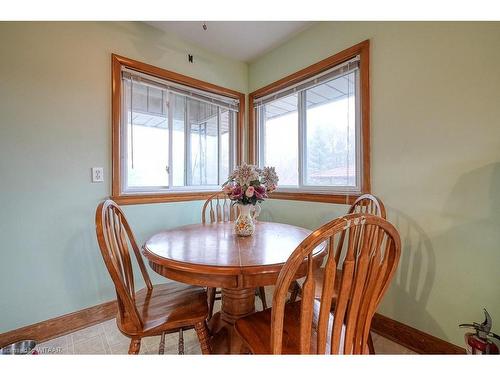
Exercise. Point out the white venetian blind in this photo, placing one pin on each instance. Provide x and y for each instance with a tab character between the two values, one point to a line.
328	75
183	90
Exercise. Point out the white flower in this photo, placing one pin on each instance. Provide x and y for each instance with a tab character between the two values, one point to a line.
269	177
245	174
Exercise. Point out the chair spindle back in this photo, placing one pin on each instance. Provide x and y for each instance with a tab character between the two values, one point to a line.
373	250
114	236
364	204
218	208
368	204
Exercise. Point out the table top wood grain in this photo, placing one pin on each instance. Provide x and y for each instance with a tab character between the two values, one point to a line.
217	248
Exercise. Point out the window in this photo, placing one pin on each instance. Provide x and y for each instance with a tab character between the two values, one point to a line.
173	138
313	126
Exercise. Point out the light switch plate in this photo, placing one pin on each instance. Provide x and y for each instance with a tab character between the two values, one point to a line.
97	174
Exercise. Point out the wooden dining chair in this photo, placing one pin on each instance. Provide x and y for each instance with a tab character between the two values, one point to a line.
309	326
366	203
217	209
156	309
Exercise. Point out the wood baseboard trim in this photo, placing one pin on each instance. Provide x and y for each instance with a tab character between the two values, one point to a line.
412	338
61	325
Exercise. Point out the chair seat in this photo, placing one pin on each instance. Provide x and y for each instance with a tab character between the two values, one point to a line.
318	282
255	330
168	307
319	274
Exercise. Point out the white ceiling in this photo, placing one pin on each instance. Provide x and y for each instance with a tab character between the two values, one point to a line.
239	40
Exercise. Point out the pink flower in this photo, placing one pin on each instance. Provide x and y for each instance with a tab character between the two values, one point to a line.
237	193
260	192
250	191
228	189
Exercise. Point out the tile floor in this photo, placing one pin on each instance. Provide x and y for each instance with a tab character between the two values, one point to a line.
105	338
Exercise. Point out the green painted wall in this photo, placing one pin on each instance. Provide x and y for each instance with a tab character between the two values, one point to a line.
435	159
55	124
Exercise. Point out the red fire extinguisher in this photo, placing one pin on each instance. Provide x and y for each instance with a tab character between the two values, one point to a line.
481	341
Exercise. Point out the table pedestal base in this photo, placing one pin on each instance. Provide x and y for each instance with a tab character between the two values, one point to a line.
236	303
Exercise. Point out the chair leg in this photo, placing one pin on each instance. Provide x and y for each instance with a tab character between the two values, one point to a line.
181	342
371	348
202	332
262	295
161	350
135	346
211	301
295	291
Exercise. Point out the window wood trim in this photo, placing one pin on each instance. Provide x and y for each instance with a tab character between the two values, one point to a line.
117	62
363	50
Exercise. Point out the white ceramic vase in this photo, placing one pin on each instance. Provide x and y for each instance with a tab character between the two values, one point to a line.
245	223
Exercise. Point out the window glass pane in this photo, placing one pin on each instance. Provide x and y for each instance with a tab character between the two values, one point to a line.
147	136
156	100
203	167
280	138
178	103
202	142
331	133
226	121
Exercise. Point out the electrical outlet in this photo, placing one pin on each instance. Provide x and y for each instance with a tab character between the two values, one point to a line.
97	174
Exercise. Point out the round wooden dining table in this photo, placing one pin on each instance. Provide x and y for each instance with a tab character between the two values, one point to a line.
212	255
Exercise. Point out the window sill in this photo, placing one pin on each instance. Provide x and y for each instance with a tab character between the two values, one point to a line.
339	198
126	199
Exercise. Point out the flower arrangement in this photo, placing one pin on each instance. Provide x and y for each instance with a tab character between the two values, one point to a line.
248	184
